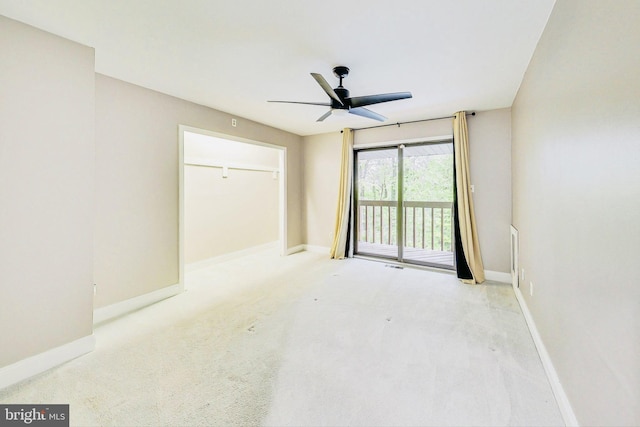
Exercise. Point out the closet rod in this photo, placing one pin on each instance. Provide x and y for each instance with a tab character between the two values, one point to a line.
193	161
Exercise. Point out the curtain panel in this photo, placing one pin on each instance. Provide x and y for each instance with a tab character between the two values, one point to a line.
339	248
469	264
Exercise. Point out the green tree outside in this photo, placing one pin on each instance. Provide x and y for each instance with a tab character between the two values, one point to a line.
427	178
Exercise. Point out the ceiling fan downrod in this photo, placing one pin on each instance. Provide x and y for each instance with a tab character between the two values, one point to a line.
341	72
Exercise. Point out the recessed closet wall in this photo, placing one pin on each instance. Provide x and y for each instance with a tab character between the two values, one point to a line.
231	194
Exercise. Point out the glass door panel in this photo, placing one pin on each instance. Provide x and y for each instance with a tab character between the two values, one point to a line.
376	194
427	204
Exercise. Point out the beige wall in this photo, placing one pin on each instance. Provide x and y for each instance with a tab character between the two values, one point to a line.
223	215
137	184
46	191
489	134
576	203
322	155
409	131
490	153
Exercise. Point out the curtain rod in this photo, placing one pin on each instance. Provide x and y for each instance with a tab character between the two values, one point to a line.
473	113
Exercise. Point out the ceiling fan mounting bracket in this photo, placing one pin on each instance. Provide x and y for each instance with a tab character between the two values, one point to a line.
341	71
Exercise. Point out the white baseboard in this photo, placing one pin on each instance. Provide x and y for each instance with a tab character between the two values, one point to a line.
123	307
39	363
229	256
309	248
497	276
317	249
295	249
558	391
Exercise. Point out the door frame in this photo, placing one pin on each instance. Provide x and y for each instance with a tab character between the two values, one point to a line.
282	190
514	258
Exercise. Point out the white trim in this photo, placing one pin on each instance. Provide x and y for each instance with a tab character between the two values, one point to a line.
317	249
193	266
282	200
296	249
127	306
309	248
39	363
228	137
558	391
497	276
181	131
514	240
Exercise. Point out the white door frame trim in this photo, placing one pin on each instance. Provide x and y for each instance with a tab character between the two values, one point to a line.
514	257
282	202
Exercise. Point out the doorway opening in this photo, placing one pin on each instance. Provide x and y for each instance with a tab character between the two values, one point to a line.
232	194
404	203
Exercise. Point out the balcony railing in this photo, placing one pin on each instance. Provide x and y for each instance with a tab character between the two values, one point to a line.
427	225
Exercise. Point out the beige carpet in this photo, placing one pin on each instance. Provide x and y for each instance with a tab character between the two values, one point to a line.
302	340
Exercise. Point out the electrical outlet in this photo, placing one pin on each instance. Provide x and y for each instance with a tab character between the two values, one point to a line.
473	188
234	122
95	288
522	275
531	288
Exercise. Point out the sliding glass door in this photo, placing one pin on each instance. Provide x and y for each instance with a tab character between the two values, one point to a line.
377	202
404	203
428	204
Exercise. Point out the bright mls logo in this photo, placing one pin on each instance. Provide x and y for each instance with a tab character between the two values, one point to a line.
34	415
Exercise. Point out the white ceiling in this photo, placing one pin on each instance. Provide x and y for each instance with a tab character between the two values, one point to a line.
235	55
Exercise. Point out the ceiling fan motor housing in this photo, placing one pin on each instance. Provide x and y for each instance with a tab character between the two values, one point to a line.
341	72
342	94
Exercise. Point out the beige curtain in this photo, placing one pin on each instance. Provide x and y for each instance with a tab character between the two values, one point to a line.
341	231
466	215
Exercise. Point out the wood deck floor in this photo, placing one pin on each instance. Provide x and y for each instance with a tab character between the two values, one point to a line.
423	256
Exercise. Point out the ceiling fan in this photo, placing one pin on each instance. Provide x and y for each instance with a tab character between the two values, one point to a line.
341	101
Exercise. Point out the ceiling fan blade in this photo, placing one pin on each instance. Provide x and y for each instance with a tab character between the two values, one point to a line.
361	101
361	111
326	104
324	116
327	88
